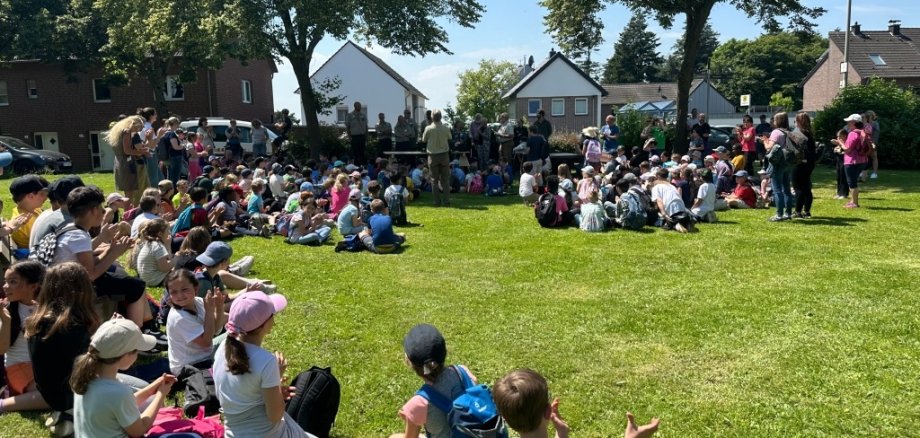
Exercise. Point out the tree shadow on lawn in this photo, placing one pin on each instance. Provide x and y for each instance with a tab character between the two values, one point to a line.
830	221
902	209
719	222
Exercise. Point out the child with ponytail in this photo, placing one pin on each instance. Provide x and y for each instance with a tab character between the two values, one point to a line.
103	406
247	377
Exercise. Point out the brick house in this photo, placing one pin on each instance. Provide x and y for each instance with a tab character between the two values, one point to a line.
570	98
703	96
889	54
39	105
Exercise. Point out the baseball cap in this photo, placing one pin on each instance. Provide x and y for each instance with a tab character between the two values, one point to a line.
629	176
114	197
207	169
721	149
213	158
59	189
742	173
351	168
588	169
354	194
27	184
306	186
853	118
424	344
338	163
117	337
246	173
251	309
215	253
356	174
567	184
685	158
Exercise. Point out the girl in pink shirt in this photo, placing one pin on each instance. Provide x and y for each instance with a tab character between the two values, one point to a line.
339	195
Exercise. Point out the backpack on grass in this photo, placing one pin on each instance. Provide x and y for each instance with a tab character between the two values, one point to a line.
545	210
630	213
397	206
200	392
472	414
316	401
43	251
169	423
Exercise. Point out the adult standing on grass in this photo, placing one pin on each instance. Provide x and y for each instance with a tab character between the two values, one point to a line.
154	172
356	125
176	151
779	170
544	127
384	135
259	139
748	139
437	140
872	129
403	133
505	137
413	129
120	136
855	156
611	133
801	174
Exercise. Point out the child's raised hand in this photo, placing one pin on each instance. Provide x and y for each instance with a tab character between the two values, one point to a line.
633	431
562	428
282	362
4	309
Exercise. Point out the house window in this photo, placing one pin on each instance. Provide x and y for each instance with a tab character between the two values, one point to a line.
247	91
534	106
33	89
877	59
4	96
340	114
101	91
174	89
558	107
581	106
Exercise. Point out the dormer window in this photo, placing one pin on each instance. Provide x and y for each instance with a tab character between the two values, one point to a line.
877	59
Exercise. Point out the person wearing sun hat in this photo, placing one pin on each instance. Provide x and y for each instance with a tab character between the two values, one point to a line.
103	406
591	147
426	353
247	377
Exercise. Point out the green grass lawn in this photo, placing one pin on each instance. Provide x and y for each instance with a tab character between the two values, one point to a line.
747	328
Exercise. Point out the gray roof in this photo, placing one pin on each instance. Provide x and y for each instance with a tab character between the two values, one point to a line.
622	94
537	70
383	66
900	53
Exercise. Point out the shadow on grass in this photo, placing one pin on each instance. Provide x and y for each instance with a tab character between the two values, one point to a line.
831	221
720	222
890	209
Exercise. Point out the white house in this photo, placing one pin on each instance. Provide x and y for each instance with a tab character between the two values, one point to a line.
367	79
703	96
569	97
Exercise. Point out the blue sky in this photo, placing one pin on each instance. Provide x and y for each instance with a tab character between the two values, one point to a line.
512	30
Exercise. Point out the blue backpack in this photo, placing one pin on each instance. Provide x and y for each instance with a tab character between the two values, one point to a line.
472	414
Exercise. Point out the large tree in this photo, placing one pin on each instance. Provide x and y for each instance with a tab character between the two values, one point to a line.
695	14
480	90
63	31
772	63
635	56
709	42
293	29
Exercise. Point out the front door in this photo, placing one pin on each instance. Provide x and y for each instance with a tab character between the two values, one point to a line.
46	140
101	152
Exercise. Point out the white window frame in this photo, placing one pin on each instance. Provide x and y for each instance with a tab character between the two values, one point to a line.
339	111
32	85
586	111
247	90
534	113
4	94
95	95
552	107
172	81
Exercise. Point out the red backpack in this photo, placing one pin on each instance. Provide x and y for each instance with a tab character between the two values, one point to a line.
169	422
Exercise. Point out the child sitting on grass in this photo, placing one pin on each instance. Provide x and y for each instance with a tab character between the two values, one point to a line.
151	256
426	352
379	237
474	184
349	221
308	226
495	184
522	399
193	323
214	273
528	188
21	284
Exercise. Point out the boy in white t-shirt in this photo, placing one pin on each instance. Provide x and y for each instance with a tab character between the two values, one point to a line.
705	203
673	211
528	189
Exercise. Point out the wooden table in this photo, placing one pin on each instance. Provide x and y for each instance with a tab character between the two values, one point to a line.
403	156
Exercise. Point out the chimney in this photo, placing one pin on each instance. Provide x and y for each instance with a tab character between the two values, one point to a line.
856	28
552	52
894	27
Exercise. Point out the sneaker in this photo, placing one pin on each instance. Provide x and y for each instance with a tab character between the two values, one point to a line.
155	352
797	215
806	215
267	231
851	205
777	218
269	288
787	217
242	266
873	176
162	343
840	197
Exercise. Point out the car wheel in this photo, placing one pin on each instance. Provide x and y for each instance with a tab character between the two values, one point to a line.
24	167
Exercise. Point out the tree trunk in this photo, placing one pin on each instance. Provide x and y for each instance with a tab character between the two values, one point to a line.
156	77
696	20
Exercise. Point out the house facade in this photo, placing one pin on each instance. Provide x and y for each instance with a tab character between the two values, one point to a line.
703	96
890	54
41	106
365	78
570	99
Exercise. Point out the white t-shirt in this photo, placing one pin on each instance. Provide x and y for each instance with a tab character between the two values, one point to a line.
294	229
70	244
706	192
527	183
140	220
19	351
181	329
147	255
105	410
673	204
276	184
396	188
240	393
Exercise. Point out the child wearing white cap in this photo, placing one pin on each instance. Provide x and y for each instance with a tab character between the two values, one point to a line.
102	405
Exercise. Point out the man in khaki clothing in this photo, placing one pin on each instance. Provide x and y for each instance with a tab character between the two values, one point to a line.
437	140
356	125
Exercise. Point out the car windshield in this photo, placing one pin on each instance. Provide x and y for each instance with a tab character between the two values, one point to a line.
16	143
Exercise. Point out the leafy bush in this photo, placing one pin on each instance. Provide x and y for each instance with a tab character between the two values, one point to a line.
631	124
333	141
896	108
564	141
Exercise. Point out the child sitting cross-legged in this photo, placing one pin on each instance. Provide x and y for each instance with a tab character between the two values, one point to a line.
379	237
151	255
103	406
308	226
214	274
522	399
495	184
349	221
193	323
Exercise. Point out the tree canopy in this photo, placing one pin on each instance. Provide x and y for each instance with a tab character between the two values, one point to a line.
635	56
480	90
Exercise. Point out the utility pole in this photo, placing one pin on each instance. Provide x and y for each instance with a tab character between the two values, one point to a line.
846	45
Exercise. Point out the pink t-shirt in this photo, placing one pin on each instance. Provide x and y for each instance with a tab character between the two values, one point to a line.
339	200
748	145
851	153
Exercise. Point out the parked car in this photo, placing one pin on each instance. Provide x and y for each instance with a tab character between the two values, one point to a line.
220	125
28	159
722	136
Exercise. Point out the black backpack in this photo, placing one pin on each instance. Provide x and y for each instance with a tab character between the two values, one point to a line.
545	210
396	204
316	401
199	391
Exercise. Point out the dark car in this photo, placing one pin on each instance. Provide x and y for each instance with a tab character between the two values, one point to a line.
27	159
722	136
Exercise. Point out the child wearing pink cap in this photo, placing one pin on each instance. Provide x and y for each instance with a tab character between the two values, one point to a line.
247	377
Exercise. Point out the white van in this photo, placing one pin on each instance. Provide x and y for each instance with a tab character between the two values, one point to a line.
220	125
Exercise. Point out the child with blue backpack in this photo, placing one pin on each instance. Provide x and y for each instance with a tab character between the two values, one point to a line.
495	184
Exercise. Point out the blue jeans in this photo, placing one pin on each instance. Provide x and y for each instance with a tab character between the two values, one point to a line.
258	149
154	175
174	170
782	193
315	238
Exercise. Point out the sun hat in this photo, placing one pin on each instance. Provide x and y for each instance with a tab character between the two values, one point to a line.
215	253
251	309
354	194
424	344
118	337
591	132
114	197
853	118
